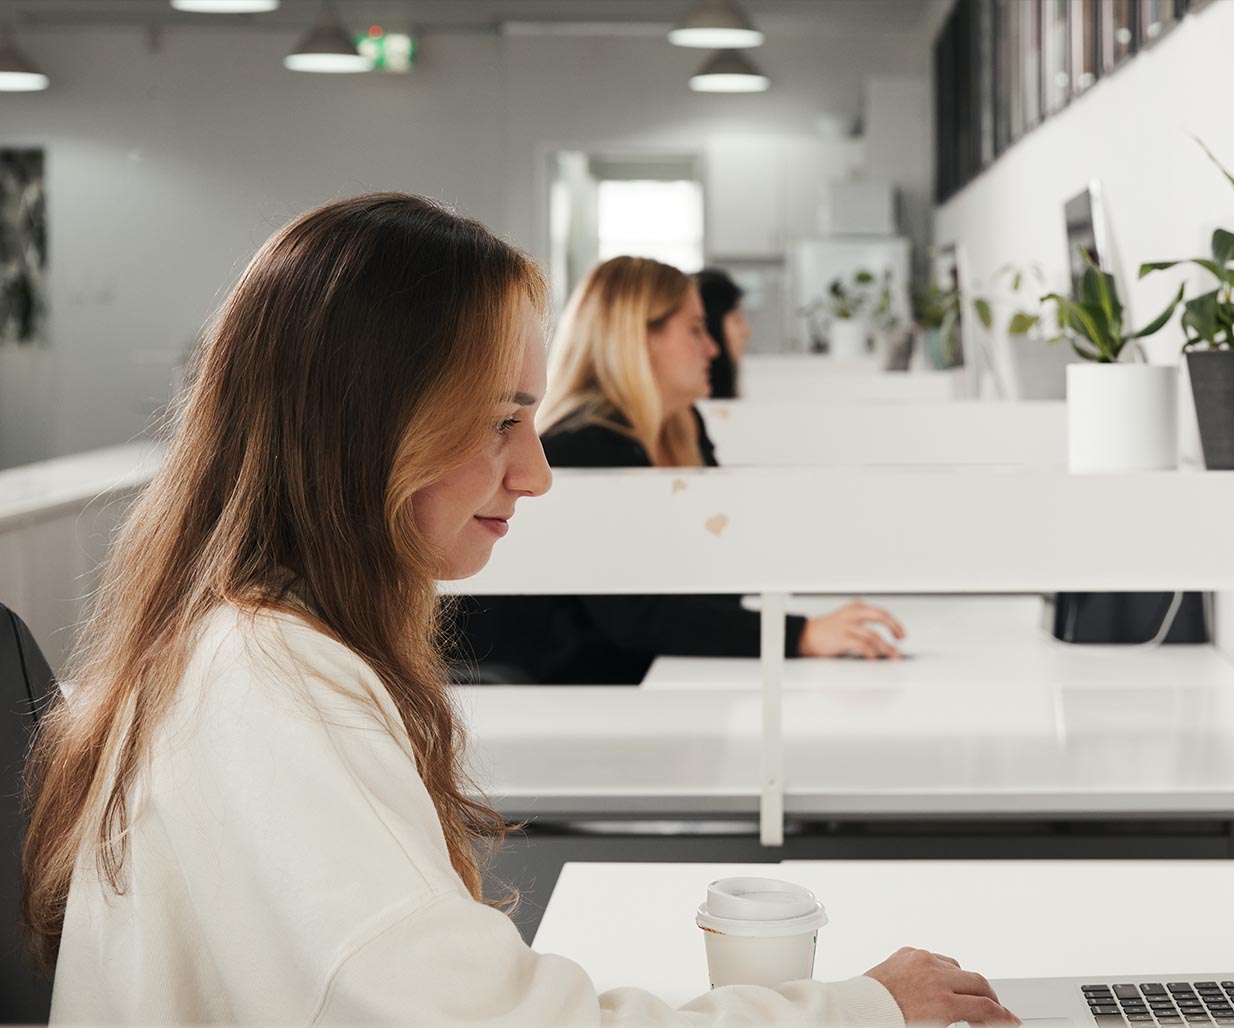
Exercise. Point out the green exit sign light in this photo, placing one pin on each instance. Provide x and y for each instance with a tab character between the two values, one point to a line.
387	51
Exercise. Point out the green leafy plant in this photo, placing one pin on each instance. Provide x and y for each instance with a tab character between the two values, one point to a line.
846	300
884	316
1208	320
935	307
938	309
1022	321
1095	317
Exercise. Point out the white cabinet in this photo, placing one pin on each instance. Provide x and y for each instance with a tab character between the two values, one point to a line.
762	191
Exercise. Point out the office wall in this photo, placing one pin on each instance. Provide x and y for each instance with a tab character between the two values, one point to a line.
168	166
1132	132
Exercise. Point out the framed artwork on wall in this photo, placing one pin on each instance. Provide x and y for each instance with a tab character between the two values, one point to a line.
1055	54
23	247
1085	48
1030	64
1156	18
1006	74
1118	32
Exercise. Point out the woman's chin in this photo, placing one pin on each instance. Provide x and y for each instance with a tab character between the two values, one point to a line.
465	565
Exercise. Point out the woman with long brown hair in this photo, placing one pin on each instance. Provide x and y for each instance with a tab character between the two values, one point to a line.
249	807
630	358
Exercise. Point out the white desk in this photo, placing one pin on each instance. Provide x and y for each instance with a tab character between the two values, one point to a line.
633	924
815	378
57	518
989	717
1054	731
847	433
993	650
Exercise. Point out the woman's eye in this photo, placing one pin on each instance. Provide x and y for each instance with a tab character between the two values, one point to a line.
507	424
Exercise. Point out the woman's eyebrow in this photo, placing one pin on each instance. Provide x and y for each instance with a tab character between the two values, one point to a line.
522	399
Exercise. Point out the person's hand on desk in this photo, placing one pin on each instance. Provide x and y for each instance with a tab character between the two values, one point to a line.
933	989
849	631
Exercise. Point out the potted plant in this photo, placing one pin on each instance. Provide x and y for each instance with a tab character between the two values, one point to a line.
937	312
1038	369
885	319
848	331
1120	416
1208	322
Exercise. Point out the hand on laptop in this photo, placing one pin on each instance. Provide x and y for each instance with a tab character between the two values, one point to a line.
933	989
849	630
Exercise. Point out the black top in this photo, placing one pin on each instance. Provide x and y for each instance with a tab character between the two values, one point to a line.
579	640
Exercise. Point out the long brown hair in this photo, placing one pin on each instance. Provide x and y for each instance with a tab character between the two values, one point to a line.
599	365
363	353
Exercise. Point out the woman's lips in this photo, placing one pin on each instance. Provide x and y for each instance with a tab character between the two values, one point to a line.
498	526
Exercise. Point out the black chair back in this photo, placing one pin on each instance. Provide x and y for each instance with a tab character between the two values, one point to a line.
26	686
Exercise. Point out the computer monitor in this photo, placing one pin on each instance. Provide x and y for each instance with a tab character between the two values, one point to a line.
1086	233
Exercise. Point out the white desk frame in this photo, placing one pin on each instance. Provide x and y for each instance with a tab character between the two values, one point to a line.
739	531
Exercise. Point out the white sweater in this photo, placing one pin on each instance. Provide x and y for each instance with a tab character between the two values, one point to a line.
286	865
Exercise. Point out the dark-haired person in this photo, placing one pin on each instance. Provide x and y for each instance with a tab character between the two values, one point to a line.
629	360
728	326
250	807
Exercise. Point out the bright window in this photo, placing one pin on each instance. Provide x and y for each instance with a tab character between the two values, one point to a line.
648	218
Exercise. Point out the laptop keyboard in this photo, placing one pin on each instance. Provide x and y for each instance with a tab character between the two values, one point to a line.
1177	1004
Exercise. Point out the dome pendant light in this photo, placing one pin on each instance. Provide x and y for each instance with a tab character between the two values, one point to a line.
17	73
225	6
728	71
327	47
716	25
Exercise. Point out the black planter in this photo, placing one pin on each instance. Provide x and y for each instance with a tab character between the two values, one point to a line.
1212	385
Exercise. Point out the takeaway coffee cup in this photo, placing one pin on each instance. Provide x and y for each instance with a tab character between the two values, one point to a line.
759	931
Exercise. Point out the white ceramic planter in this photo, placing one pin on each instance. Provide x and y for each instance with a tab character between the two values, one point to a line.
847	338
1122	417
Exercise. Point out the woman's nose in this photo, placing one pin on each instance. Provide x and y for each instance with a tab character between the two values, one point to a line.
530	474
712	347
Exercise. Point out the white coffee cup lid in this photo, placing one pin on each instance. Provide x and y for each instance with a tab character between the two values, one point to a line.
760	907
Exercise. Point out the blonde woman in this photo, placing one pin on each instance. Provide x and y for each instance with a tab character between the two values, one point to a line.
250	808
630	357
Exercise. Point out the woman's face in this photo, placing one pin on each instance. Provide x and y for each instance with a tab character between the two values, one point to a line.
681	353
464	513
736	332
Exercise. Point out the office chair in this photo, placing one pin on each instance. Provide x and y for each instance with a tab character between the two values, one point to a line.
26	685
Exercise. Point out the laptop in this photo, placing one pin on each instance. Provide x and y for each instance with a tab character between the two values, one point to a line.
1138	1001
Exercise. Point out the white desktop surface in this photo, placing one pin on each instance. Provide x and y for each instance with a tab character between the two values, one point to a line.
991	716
633	924
36	491
995	646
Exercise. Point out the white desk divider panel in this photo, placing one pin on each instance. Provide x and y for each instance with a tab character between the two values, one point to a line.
778	531
787	378
964	432
56	522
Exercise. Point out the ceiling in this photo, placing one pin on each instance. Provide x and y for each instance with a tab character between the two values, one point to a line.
486	15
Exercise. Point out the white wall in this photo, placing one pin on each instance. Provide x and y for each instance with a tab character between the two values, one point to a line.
166	169
1164	198
1133	132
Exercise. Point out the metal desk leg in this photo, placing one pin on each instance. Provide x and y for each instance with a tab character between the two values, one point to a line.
771	804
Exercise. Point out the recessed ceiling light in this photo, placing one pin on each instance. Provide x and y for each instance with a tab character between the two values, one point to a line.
225	6
729	72
327	47
17	73
716	25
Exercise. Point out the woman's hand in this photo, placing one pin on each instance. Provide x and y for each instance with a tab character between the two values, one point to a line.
933	990
845	631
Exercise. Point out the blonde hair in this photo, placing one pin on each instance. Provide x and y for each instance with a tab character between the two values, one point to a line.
363	353
599	366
